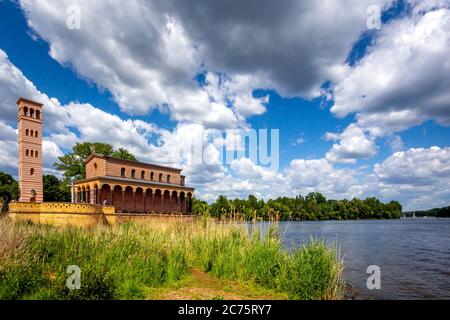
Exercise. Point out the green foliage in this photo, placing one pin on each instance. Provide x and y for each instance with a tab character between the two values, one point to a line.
120	262
55	190
72	164
9	190
123	154
436	212
312	207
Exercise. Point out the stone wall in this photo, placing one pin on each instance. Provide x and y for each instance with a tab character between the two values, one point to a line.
61	214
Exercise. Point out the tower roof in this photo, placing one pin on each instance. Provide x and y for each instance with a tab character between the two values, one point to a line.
29	101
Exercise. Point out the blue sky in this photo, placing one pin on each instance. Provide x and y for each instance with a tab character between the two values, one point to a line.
345	130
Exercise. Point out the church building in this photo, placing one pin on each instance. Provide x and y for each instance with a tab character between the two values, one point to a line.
129	186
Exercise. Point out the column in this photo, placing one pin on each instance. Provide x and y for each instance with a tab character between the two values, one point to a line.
72	193
111	191
133	204
180	205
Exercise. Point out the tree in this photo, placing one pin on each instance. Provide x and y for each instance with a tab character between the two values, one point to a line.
123	154
55	190
9	190
72	164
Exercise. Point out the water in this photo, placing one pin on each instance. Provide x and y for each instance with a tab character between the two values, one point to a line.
413	254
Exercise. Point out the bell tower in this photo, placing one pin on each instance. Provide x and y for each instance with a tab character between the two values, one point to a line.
30	150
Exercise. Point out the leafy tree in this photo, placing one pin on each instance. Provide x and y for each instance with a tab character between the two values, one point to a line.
55	190
72	164
123	154
9	190
312	207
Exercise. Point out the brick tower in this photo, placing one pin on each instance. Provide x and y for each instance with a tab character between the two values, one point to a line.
30	151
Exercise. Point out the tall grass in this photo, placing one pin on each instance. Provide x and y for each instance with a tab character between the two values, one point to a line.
119	262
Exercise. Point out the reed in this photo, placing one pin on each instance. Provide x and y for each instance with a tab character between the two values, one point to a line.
119	262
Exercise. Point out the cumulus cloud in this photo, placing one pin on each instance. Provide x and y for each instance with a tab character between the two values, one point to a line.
353	145
148	54
403	80
417	176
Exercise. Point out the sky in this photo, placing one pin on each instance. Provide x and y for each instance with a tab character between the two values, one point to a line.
357	90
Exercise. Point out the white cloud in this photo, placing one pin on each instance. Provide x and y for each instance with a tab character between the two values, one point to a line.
353	145
418	177
403	80
148	54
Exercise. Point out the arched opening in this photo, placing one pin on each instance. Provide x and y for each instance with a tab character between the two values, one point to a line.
182	202
168	178
133	174
95	195
27	132
106	195
143	175
148	200
38	114
32	153
158	200
152	176
35	134
32	113
128	200
25	112
189	203
117	200
27	153
160	177
166	201
139	200
122	172
36	154
174	203
32	172
88	194
32	199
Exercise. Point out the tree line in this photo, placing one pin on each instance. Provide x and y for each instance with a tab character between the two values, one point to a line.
312	207
435	213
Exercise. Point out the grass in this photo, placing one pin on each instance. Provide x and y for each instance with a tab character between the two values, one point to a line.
163	260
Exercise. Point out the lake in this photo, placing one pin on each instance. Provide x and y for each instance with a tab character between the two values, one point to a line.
413	254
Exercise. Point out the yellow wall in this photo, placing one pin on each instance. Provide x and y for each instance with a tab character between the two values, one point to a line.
61	214
76	214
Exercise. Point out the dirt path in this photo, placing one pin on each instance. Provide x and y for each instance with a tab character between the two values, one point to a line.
202	286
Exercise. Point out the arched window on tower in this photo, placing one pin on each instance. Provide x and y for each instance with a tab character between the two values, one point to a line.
27	153
38	114
35	134
27	132
122	172
32	113
25	112
36	153
32	172
32	153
